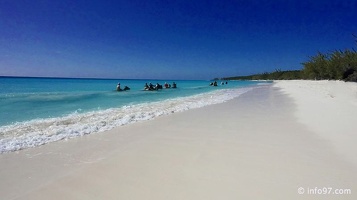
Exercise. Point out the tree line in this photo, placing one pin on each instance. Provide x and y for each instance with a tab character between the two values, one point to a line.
335	65
276	75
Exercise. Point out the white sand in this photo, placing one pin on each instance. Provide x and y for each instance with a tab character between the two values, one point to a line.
253	147
328	108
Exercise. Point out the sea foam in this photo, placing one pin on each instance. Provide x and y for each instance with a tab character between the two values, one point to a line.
38	132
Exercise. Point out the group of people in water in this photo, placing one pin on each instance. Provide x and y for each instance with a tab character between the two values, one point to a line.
149	87
158	86
215	83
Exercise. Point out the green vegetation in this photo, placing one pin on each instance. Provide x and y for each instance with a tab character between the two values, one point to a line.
336	65
277	75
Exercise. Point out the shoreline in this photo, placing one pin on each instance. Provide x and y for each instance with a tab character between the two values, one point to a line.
253	146
75	123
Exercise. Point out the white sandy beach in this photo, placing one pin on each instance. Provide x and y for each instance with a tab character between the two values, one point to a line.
266	144
329	109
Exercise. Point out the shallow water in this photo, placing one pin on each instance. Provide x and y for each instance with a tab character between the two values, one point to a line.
35	111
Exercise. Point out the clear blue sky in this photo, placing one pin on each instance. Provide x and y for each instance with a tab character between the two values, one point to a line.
168	39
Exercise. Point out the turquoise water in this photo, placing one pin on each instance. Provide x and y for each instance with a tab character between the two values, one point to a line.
35	111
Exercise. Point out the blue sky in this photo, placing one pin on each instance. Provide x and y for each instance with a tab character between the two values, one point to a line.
168	39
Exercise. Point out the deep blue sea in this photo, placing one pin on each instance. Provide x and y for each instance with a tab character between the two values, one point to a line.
35	111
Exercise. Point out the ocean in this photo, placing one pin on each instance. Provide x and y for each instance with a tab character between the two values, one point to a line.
36	111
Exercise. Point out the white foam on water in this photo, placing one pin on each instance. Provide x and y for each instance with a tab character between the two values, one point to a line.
42	131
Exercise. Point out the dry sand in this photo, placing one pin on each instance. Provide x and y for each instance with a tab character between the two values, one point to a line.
256	146
329	109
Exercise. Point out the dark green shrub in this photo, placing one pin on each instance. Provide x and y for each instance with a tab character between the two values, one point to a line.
352	77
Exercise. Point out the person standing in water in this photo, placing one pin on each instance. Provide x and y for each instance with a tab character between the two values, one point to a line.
118	87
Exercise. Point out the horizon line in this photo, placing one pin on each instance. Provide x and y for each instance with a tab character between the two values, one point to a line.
95	78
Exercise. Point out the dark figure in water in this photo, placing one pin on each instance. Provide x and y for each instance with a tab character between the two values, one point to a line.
118	87
146	87
151	86
174	85
158	86
215	83
166	85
